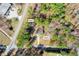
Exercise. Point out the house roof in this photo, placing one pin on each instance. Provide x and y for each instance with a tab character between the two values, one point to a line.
4	7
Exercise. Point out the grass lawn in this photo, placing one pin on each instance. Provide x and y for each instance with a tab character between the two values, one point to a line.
22	37
57	14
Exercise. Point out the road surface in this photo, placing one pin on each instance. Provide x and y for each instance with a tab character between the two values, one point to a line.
13	42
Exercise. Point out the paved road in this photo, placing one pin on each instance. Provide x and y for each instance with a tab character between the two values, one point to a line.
13	42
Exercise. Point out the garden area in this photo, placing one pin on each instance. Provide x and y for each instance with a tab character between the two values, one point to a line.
54	15
52	18
23	37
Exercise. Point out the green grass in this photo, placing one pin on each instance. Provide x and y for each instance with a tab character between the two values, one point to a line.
57	11
23	36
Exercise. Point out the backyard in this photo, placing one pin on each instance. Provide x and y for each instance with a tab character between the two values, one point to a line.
50	20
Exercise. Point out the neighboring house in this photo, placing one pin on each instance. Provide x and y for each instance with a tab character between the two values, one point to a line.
5	9
8	11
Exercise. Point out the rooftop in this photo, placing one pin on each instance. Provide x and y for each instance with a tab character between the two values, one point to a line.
4	7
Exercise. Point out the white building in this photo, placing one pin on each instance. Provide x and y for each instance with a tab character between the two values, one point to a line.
8	11
4	8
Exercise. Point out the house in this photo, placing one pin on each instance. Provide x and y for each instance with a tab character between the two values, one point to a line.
4	9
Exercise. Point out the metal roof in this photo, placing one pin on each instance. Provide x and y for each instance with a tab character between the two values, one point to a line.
3	8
